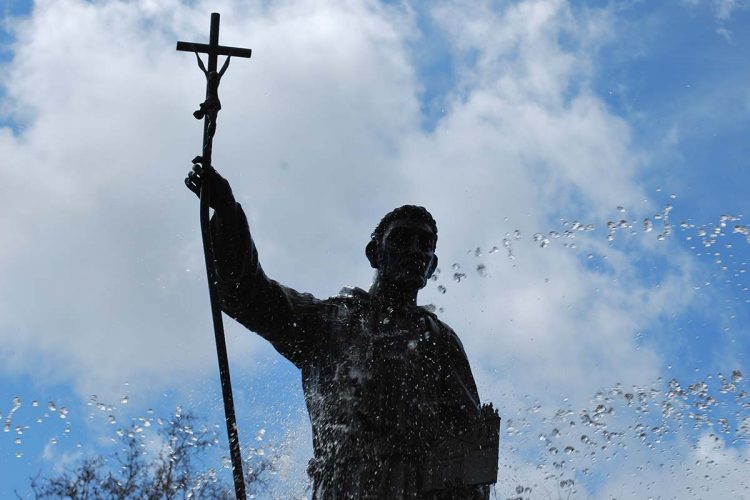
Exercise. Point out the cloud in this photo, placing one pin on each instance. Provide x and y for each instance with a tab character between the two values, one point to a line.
723	11
105	258
320	135
708	468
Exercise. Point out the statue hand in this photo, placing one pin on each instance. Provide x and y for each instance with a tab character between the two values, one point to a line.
222	198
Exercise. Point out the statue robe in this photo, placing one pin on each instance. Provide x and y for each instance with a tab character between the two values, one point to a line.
379	388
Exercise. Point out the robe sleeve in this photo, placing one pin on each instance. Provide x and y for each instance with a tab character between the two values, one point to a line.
291	321
460	373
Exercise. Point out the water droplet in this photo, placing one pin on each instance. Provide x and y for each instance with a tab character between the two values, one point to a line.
63	412
112	419
51	406
19	454
124	400
456	266
648	226
18	440
459	277
259	436
35	403
16	403
620	208
482	270
736	376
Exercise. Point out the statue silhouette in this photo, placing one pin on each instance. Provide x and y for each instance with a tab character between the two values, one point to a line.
390	394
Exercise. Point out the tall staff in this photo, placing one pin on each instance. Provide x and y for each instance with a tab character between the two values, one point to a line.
209	111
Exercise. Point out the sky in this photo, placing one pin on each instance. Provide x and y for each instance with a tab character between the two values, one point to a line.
586	163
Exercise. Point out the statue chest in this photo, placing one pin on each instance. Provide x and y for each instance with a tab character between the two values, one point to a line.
386	364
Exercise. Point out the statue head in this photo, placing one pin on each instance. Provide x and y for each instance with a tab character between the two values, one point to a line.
402	247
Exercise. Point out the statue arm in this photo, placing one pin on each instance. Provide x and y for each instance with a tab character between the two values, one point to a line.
290	320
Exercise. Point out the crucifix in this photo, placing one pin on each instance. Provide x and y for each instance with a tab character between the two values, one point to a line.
209	111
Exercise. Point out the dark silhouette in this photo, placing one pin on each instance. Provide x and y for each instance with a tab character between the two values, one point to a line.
393	404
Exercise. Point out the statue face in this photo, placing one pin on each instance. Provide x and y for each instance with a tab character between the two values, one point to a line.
406	254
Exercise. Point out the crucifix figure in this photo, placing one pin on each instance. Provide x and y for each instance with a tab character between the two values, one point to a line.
212	105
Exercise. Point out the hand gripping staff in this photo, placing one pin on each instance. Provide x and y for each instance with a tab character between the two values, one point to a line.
208	112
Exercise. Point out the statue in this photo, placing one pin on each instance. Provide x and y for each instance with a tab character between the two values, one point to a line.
394	408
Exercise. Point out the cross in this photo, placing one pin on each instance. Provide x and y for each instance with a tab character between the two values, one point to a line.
208	111
211	105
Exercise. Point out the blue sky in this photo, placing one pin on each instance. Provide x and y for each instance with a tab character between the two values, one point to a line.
522	116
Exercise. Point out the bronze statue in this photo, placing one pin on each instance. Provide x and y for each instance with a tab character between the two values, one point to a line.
394	408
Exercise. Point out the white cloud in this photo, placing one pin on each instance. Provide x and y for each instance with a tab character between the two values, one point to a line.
706	469
320	136
723	10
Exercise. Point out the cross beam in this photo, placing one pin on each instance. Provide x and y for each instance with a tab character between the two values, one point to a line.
220	50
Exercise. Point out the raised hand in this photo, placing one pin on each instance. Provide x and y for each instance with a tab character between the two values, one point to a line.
222	198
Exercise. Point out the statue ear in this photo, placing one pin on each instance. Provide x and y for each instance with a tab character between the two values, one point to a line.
371	250
433	266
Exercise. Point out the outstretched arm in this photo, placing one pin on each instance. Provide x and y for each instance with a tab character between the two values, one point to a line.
291	321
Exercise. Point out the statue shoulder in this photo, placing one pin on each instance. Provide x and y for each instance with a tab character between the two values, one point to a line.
445	332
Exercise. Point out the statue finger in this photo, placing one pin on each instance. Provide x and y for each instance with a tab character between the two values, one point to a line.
192	186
